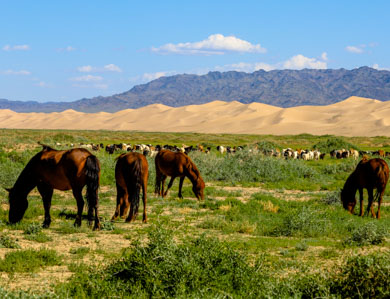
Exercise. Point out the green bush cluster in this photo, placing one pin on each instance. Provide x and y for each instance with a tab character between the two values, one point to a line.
29	260
7	242
245	166
367	234
209	268
333	143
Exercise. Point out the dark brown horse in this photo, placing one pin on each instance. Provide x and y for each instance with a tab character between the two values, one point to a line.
131	173
370	174
176	164
63	170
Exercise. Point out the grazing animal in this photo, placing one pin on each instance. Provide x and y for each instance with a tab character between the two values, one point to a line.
131	174
62	170
177	164
370	174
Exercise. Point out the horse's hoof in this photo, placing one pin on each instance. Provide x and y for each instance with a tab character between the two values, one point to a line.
77	224
45	225
96	227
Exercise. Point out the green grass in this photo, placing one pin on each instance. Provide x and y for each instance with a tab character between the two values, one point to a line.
291	238
29	260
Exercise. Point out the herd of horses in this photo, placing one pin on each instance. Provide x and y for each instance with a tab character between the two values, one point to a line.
76	168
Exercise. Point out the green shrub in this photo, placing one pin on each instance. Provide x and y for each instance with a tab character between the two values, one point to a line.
7	242
368	234
364	277
29	260
33	228
245	166
107	225
332	144
331	198
39	237
303	222
163	268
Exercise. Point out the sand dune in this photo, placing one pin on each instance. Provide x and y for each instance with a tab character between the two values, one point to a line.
352	117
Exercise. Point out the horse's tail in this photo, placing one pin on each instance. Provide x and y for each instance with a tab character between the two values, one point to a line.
92	175
133	183
382	174
157	185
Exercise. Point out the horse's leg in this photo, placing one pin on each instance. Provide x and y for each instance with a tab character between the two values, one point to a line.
361	201
169	185
80	205
163	178
119	201
46	192
157	187
378	214
144	192
181	186
370	201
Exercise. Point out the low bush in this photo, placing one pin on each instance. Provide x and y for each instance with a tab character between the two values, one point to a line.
7	242
29	260
364	277
333	143
368	234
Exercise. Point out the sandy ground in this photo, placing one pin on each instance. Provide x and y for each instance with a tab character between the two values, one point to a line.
354	116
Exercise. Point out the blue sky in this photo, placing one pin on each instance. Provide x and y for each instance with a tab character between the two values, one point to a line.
68	50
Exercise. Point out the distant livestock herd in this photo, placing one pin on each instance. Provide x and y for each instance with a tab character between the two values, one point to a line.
287	153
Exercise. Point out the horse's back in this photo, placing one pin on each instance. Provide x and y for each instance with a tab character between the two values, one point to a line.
372	173
171	163
128	164
62	168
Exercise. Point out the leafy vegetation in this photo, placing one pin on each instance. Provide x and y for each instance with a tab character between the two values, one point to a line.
278	223
29	260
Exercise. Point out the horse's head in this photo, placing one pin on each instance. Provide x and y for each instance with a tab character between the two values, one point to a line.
198	188
17	205
348	199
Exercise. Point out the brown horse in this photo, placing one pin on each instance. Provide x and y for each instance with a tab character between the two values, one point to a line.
63	170
176	164
131	173
370	174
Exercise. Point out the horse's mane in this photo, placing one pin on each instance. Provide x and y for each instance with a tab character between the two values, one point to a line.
46	147
120	156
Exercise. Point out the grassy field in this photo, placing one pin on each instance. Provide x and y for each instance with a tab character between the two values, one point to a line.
267	227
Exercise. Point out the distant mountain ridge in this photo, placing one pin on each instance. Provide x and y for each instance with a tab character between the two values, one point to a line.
283	88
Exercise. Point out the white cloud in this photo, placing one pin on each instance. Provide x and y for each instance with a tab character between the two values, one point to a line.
215	44
96	86
43	84
16	48
85	69
87	78
299	61
107	68
324	56
66	49
112	68
13	72
246	67
377	67
153	76
353	49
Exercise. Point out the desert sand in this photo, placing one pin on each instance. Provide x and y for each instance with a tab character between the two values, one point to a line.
354	116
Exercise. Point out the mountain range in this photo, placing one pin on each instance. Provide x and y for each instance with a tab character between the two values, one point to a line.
283	88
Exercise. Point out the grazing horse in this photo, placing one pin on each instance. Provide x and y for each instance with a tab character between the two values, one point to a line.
177	164
62	170
131	173
370	174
